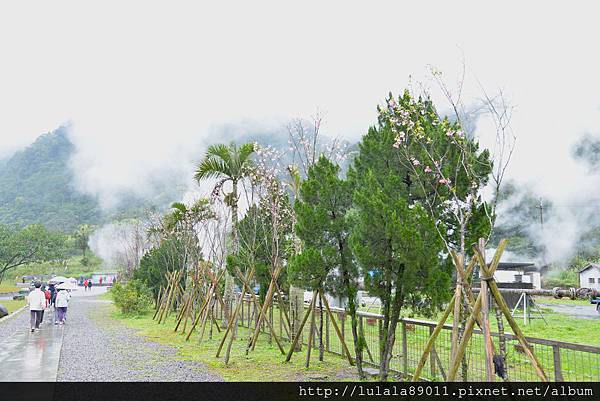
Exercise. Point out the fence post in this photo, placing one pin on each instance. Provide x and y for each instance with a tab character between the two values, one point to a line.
343	322
432	356
558	376
243	301
327	332
280	321
404	350
270	320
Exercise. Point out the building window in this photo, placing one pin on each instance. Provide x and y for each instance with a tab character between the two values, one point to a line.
591	280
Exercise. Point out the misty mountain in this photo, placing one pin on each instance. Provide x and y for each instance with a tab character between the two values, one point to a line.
37	186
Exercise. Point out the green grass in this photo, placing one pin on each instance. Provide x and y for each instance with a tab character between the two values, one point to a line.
13	305
5	286
265	363
561	301
107	296
74	268
576	365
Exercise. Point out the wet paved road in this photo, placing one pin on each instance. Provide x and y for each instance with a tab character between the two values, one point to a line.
89	347
580	311
27	356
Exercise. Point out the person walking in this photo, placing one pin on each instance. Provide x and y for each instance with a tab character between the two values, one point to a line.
62	302
85	285
47	296
53	291
90	285
37	301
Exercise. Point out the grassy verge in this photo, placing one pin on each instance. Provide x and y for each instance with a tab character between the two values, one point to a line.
8	287
13	305
265	363
74	268
561	301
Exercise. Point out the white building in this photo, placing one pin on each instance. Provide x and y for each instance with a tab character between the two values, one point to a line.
508	272
589	276
107	278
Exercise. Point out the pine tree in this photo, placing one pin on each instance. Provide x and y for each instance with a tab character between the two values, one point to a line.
326	262
394	238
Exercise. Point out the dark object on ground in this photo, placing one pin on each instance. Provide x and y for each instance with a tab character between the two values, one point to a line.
3	311
18	297
499	368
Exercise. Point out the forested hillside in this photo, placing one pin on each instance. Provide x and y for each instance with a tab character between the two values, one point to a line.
37	186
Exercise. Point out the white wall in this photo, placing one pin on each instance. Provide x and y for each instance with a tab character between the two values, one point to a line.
584	278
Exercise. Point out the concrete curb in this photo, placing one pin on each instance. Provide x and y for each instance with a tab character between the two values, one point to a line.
15	313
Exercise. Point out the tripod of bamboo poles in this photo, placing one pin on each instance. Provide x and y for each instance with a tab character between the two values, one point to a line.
311	311
195	291
247	288
211	281
262	316
479	314
169	296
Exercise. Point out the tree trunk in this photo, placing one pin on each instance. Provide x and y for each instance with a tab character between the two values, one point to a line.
296	311
321	348
390	340
234	217
357	338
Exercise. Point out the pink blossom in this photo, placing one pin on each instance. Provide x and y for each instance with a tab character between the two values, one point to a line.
415	162
428	169
444	181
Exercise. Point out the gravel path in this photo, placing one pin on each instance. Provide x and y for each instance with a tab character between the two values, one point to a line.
14	324
109	351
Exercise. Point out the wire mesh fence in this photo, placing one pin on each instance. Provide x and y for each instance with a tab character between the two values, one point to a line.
562	361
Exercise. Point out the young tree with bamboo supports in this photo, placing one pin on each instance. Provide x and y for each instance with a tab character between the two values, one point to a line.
446	171
326	262
393	238
227	164
449	172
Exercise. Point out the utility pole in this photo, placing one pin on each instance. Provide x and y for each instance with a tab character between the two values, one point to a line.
541	207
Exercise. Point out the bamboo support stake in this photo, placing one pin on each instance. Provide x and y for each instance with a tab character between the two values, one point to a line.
282	308
517	330
200	312
304	319
487	272
456	313
263	311
249	275
432	338
311	335
485	309
337	330
462	346
158	301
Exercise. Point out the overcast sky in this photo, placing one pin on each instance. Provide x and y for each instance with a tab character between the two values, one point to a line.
143	82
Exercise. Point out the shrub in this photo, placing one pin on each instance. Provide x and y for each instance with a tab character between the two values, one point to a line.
132	298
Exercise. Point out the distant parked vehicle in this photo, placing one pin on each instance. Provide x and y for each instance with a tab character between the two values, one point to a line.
597	302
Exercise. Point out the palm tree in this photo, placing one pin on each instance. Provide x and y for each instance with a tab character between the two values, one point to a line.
82	236
228	163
